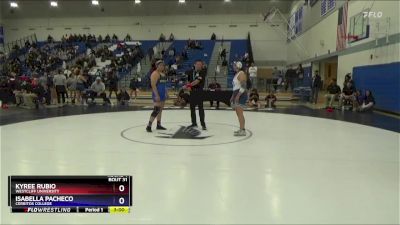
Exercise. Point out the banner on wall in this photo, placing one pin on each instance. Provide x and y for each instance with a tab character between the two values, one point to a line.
342	27
1	35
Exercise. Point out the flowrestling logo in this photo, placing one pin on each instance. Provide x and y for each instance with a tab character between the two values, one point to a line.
184	133
370	14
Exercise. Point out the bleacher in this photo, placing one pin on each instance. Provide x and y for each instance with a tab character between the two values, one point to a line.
51	48
239	48
145	46
196	54
193	55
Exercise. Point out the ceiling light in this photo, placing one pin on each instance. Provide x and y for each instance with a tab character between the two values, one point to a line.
13	4
138	1
95	2
54	4
227	0
181	1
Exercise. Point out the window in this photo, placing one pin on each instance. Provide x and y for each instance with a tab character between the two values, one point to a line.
299	20
295	23
327	6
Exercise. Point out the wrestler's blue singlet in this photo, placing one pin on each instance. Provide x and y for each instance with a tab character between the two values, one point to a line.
161	88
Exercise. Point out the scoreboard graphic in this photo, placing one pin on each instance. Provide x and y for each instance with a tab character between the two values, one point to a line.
70	194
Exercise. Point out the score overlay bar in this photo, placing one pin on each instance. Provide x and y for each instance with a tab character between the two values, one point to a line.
69	194
110	209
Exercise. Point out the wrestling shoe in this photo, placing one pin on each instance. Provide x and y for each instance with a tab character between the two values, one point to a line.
148	129
240	133
159	127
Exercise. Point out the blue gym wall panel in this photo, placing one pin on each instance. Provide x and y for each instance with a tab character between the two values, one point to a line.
384	82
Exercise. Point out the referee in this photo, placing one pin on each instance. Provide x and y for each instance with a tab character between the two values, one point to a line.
197	77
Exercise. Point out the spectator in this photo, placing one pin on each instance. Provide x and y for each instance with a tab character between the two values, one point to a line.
171	37
214	86
254	98
246	59
114	38
213	37
198	45
333	93
185	54
71	86
316	85
358	100
29	99
107	39
290	77
113	83
43	94
223	54
60	84
162	38
134	85
17	90
368	102
270	100
182	99
123	97
276	74
27	44
253	75
150	52
80	86
128	38
347	95
25	97
6	93
50	39
97	89
172	51
138	68
299	75
51	86
348	79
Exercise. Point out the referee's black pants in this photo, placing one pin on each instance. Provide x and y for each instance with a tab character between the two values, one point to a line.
193	105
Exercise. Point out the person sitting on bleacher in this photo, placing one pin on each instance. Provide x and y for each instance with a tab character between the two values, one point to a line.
123	97
182	99
97	89
213	37
347	95
171	37
358	100
27	96
270	100
367	102
43	94
162	38
254	98
333	93
128	38
214	86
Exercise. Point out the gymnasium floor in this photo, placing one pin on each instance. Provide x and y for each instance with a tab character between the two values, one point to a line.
320	168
